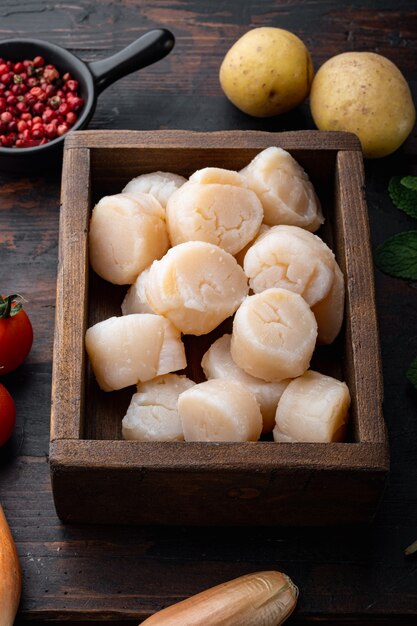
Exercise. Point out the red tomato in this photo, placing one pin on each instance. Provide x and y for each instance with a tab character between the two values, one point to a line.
16	334
7	415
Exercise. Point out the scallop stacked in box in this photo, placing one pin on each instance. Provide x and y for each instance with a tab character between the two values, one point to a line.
196	252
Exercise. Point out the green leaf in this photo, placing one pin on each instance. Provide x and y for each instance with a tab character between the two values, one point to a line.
410	182
412	373
398	255
404	198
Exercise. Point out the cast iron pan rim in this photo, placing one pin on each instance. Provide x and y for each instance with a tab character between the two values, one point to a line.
72	60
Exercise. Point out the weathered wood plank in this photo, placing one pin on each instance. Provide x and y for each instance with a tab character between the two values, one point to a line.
235	141
72	284
347	576
362	341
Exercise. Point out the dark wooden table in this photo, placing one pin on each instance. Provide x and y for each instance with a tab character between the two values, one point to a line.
84	574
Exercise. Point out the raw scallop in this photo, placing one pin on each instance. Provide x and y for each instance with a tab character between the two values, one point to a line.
274	335
135	300
214	206
161	185
126	234
219	410
291	258
139	347
329	311
217	175
240	256
287	195
153	412
196	285
313	408
218	363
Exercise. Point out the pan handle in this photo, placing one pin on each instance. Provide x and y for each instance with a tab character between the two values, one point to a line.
148	49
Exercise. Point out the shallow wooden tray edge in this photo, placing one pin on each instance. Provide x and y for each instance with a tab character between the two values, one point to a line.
79	465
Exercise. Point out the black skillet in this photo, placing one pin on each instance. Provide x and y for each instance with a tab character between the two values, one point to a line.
93	78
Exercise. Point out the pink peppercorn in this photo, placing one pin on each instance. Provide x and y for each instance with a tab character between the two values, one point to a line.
36	103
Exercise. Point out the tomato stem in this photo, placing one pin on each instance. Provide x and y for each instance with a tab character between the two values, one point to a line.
6	306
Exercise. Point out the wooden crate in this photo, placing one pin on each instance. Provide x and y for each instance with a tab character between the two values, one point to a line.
98	477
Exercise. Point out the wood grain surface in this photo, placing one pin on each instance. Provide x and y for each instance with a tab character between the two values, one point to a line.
84	574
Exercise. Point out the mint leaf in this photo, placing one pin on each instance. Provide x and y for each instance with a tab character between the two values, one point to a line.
398	255
412	373
404	198
410	182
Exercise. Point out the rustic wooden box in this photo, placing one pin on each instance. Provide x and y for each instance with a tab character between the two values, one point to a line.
96	476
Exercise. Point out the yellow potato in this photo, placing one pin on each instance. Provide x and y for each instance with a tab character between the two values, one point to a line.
266	72
366	94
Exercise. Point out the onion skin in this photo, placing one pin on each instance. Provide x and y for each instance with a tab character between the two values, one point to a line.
10	574
258	599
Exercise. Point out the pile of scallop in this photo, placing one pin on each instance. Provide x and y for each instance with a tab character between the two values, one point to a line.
196	252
